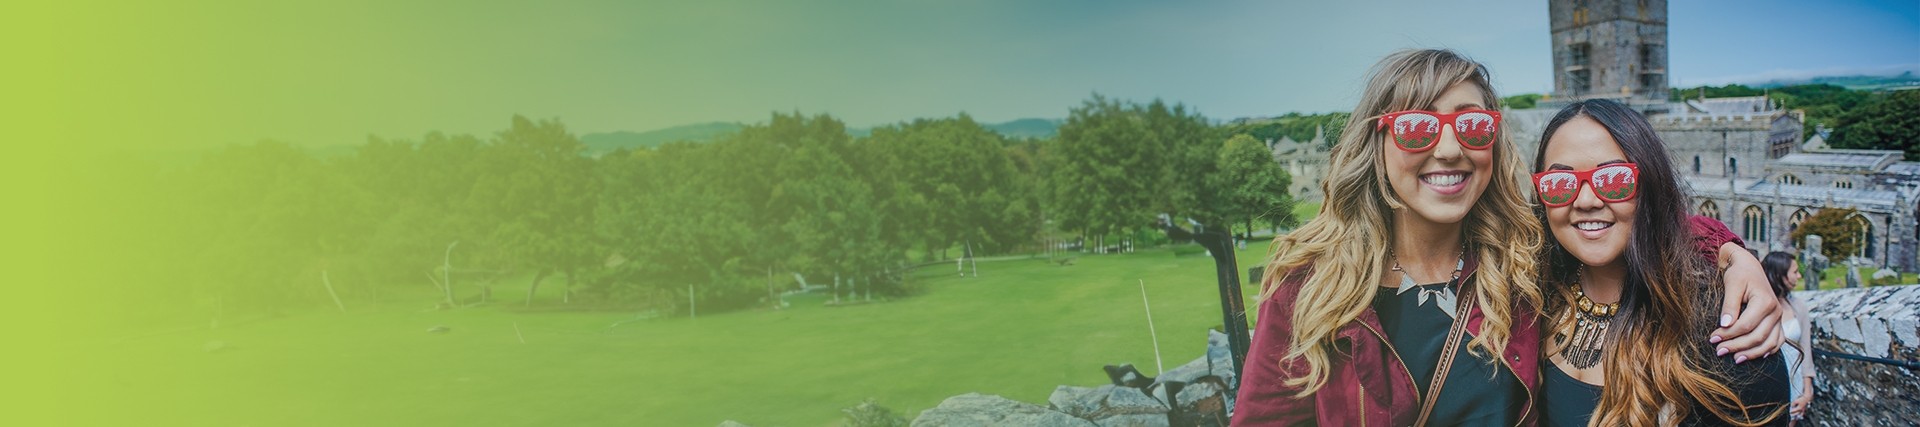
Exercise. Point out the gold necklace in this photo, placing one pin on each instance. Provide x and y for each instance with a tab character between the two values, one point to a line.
1589	337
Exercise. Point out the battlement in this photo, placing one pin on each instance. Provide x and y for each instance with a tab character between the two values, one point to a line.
1693	121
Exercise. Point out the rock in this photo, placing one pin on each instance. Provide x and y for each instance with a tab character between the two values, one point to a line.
1886	273
975	409
1202	404
1103	402
439	329
1129	401
1078	401
1133	421
1188	372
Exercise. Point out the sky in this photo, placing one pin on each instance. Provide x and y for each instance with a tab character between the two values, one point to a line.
197	74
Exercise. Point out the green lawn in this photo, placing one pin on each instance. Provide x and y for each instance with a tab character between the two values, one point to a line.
1020	329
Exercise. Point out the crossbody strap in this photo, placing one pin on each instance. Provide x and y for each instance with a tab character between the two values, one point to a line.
1446	359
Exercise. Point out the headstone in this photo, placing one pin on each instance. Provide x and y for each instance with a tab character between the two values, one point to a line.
1812	263
1853	276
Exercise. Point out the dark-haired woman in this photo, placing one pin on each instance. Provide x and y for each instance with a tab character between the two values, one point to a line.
1784	274
1627	307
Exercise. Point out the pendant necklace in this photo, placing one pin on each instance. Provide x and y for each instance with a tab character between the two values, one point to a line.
1589	336
1443	297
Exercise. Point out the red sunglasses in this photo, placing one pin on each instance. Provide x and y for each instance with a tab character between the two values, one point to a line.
1611	183
1416	131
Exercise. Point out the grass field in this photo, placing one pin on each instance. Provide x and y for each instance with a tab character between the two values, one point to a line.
1020	329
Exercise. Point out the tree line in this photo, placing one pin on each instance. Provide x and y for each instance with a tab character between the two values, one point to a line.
269	226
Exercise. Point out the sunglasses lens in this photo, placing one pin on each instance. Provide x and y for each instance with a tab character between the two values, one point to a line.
1614	183
1557	188
1416	131
1475	130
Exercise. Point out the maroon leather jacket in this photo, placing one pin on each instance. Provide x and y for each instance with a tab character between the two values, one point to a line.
1367	385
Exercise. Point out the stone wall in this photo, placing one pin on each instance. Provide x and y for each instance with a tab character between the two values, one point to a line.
1880	322
1720	145
1201	402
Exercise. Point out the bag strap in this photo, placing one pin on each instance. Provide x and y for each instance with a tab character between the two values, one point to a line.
1447	352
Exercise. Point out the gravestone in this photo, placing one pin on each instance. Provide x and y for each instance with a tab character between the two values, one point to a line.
1812	263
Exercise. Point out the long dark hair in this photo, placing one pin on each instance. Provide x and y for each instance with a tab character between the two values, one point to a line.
1776	265
1664	309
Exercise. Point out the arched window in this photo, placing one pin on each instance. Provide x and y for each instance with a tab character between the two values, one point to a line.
1754	225
1710	210
1696	164
1865	237
1842	184
1793	221
1789	179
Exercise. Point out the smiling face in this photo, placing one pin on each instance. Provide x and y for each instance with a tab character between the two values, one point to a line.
1593	231
1440	185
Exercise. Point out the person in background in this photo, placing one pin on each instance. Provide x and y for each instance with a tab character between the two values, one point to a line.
1784	274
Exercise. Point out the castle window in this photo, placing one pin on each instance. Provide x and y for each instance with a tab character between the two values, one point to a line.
1843	184
1696	164
1754	226
1577	54
1789	179
1733	167
1865	237
1710	210
1793	221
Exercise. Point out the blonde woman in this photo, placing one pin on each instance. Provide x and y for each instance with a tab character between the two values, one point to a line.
1412	298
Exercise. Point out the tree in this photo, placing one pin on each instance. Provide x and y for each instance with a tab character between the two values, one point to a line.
1251	185
1120	164
1838	232
1521	101
537	198
946	182
1887	123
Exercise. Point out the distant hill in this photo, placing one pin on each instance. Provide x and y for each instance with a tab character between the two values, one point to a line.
1028	128
1904	80
608	141
1020	128
602	142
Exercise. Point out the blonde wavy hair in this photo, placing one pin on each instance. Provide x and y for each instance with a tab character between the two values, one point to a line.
1344	244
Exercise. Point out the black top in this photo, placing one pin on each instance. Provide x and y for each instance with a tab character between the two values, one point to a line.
1478	392
1565	401
1761	384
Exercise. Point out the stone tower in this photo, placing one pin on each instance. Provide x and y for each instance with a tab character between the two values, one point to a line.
1614	49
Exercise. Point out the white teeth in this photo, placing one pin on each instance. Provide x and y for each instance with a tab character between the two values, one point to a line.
1591	225
1444	179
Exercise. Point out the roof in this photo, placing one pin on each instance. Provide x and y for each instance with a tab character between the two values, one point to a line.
1736	105
1851	159
1717	187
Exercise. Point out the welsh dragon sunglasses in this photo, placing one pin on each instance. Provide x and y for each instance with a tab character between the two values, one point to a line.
1611	183
1417	131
